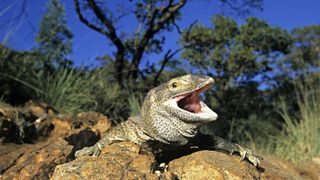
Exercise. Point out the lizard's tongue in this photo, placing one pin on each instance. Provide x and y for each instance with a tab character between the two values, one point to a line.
191	103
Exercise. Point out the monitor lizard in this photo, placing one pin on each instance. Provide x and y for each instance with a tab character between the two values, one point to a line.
171	116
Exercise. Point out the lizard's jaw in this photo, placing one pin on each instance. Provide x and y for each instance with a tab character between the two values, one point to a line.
191	105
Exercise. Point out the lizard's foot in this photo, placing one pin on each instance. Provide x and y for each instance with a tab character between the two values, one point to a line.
89	151
247	154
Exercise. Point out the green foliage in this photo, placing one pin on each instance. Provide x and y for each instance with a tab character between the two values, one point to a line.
230	51
299	141
68	90
304	57
152	18
2	100
29	75
110	98
306	53
54	37
302	62
135	105
240	58
17	73
249	62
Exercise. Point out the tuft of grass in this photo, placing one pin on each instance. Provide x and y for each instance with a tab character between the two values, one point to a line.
299	142
2	99
109	96
68	90
135	103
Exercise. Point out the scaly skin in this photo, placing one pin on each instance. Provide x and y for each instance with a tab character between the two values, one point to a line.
171	115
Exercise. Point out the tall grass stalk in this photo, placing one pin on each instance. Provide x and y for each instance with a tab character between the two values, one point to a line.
69	91
135	103
299	142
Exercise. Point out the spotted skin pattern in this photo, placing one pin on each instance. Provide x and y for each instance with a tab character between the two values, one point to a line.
162	121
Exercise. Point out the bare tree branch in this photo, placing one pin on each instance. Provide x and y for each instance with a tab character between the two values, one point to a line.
157	19
110	33
108	23
167	14
244	7
85	21
189	29
176	26
166	59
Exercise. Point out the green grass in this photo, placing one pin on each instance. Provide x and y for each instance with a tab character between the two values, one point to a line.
109	96
69	90
135	103
299	142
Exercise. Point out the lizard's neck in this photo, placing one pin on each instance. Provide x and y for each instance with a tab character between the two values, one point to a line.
164	127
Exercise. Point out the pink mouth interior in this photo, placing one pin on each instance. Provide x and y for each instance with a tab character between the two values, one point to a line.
191	102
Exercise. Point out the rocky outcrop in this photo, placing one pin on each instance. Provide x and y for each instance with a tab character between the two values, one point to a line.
125	160
25	124
52	141
35	161
118	161
51	153
217	165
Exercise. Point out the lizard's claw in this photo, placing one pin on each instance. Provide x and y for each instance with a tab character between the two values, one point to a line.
248	154
89	151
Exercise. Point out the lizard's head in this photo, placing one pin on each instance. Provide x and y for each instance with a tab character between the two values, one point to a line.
180	98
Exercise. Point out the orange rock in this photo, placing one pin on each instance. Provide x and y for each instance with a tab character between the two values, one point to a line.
37	161
117	161
61	126
102	126
217	165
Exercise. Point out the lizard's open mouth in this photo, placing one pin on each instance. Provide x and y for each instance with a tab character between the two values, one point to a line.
191	102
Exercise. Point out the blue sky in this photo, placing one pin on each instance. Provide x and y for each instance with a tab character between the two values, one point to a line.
20	33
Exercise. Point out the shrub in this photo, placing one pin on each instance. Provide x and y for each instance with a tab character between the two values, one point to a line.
67	90
299	141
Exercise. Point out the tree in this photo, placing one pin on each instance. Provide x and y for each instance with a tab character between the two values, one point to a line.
301	65
153	17
304	58
241	58
54	37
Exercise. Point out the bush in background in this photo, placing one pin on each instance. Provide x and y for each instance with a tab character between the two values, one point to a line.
299	141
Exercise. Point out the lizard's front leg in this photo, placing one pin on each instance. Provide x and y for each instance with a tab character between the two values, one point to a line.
216	142
114	135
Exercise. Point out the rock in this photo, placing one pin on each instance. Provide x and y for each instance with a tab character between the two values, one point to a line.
217	165
100	123
40	109
125	160
60	138
102	126
92	121
83	130
121	160
35	161
62	127
311	170
5	109
24	123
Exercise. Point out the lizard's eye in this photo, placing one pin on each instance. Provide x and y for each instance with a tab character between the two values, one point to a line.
174	85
